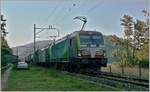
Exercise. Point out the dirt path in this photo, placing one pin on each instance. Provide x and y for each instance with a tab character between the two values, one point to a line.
4	77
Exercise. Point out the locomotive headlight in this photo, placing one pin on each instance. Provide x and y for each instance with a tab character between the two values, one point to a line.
104	53
79	54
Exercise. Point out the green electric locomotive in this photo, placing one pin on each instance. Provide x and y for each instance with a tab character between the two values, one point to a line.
79	51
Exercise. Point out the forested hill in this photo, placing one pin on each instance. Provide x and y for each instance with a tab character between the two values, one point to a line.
26	49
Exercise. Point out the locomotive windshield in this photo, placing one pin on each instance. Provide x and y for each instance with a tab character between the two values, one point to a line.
91	39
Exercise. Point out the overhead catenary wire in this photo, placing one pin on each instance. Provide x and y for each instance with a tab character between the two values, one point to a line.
58	18
69	9
53	13
50	15
85	5
87	11
95	6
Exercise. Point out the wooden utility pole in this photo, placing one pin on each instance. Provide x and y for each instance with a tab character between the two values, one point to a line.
140	71
110	68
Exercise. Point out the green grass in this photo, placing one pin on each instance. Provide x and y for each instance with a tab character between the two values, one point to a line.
41	79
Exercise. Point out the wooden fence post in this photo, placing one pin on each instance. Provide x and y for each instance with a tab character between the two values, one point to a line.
110	68
122	68
140	72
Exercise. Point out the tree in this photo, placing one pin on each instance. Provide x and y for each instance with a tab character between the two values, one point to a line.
119	52
141	41
127	23
133	48
5	50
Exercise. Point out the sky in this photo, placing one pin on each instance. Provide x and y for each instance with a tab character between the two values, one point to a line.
102	15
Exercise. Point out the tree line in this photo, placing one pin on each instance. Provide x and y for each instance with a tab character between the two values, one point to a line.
133	48
6	52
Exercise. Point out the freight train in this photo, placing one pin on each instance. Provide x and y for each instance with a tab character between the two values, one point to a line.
79	51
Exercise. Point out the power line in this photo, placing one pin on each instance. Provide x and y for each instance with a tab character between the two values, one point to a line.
85	4
75	5
49	16
56	18
92	8
65	15
56	14
52	13
59	19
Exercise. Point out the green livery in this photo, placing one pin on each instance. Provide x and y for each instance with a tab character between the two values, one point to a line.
79	48
60	51
78	42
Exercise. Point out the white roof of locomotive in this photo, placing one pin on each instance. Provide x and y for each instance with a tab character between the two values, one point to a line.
73	34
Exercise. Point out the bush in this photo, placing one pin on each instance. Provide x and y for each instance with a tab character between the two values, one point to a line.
144	63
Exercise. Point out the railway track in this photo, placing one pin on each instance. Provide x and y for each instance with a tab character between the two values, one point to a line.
126	79
117	82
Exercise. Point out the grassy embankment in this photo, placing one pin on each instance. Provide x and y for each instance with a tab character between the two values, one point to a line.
128	71
41	79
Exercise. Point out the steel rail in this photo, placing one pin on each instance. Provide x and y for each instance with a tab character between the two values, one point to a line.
114	82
